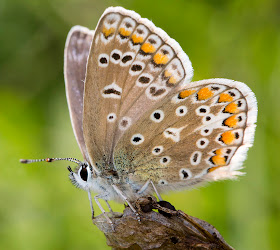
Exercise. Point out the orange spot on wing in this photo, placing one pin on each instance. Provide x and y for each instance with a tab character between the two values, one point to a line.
124	32
148	48
172	80
231	121
107	32
204	94
213	168
186	93
231	108
167	73
137	39
219	151
218	160
160	58
225	97
228	137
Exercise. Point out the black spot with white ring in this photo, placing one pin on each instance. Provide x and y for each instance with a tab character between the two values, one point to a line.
206	131
137	139
157	116
181	111
103	60
202	110
162	182
196	158
136	67
157	150
116	56
165	160
185	174
111	117
126	59
202	143
208	118
144	79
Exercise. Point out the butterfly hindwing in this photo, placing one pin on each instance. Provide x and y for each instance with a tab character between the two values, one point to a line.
131	67
75	58
202	132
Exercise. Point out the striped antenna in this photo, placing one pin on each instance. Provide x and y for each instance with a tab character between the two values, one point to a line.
50	160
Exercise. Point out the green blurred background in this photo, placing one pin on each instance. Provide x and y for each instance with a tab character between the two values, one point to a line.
39	208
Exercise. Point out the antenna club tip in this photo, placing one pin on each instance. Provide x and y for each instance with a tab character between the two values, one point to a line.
23	161
50	159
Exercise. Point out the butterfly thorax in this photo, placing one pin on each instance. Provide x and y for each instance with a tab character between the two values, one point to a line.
104	188
106	169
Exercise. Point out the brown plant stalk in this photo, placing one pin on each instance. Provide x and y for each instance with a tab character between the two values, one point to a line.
168	229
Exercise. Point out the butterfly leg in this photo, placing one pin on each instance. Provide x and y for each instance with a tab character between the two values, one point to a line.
103	211
156	191
145	186
91	206
127	201
108	205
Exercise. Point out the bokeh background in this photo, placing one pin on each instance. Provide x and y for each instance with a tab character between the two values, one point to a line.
39	208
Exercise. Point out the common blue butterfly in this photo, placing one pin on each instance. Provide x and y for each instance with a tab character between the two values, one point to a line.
141	124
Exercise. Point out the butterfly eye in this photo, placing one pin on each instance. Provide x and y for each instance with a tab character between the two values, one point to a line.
84	173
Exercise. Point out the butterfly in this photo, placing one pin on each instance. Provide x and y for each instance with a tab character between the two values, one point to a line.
141	124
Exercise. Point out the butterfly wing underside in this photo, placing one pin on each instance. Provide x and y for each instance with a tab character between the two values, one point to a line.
75	57
201	133
132	66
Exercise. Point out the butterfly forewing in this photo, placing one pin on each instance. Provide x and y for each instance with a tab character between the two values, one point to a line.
75	58
190	135
132	66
